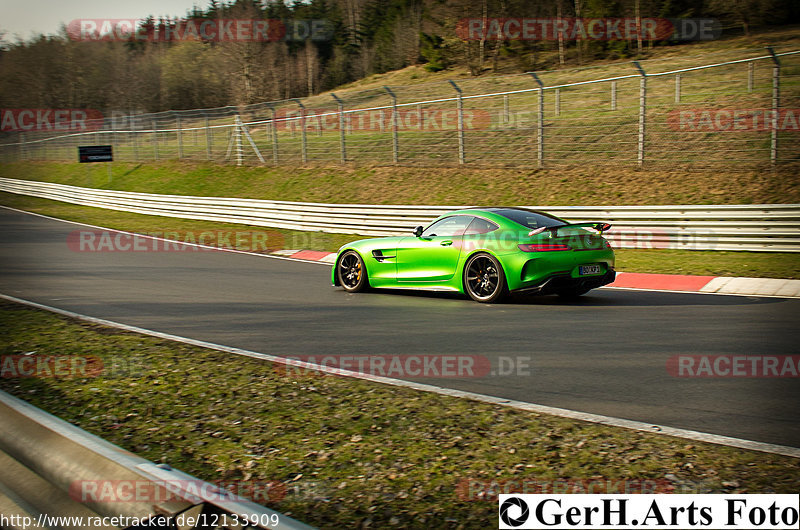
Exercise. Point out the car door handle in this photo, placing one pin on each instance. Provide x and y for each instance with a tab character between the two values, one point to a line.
446	243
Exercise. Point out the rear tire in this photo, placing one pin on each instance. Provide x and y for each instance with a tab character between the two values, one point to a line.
484	279
351	273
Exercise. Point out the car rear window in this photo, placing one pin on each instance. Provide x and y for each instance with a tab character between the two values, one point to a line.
529	218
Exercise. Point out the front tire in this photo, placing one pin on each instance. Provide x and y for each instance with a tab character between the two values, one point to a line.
484	279
351	272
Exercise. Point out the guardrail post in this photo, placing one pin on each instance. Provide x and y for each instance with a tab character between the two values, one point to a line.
155	138
613	95
642	112
274	126
460	104
342	146
540	123
180	136
303	130
776	105
677	88
395	142
751	66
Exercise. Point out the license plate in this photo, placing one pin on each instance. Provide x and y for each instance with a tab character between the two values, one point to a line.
584	270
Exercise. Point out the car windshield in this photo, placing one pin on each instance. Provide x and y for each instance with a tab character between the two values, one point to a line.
529	218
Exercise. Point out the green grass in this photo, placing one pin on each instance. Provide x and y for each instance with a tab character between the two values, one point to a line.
349	452
454	186
713	263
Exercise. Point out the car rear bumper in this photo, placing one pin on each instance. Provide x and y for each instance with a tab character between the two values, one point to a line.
565	282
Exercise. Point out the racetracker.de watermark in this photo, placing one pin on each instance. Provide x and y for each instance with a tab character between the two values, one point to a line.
734	366
59	120
412	366
39	366
206	30
174	241
734	120
602	29
474	489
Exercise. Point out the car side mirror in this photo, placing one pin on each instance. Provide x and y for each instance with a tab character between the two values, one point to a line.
418	231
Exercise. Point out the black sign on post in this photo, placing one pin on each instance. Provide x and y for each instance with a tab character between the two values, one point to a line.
95	153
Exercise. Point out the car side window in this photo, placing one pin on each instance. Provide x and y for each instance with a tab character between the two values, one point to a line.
480	226
448	227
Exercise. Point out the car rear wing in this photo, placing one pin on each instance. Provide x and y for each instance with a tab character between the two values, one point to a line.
600	227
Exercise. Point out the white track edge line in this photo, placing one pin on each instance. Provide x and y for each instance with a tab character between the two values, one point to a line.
739	443
171	241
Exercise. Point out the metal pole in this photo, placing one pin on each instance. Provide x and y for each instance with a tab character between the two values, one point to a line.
395	143
208	136
274	137
180	137
155	138
237	131
540	123
677	88
642	112
751	66
558	102
135	138
460	106
613	95
776	104
342	146
303	129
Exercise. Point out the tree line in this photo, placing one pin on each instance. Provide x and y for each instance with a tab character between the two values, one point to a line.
364	37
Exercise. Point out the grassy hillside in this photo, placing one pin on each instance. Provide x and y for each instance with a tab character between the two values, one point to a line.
440	186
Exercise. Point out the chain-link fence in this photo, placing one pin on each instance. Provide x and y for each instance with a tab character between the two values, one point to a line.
734	114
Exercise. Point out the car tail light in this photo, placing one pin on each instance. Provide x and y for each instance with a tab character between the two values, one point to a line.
542	247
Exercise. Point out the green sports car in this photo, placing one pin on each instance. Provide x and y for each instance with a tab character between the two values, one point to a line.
484	253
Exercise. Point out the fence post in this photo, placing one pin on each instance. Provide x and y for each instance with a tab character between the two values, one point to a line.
460	103
776	105
558	102
180	136
303	129
155	138
539	124
677	88
342	146
134	137
642	111
613	95
274	136
395	143
506	117
751	66
237	131
208	136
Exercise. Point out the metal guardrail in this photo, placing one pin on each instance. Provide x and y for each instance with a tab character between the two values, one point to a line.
765	227
45	460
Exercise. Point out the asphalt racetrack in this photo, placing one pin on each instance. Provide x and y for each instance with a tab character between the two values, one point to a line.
604	354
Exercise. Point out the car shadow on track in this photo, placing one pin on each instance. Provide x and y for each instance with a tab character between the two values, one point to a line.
595	298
